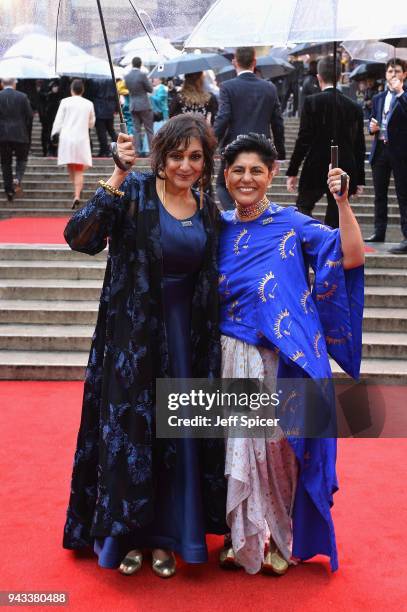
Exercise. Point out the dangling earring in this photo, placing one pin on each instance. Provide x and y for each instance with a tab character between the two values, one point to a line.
201	194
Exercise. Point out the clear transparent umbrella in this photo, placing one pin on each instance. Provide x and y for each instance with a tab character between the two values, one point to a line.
42	47
84	66
24	68
231	23
373	51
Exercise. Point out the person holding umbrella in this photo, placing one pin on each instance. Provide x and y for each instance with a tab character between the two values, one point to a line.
158	318
388	123
273	327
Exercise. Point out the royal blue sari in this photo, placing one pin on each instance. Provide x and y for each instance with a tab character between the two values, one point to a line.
266	299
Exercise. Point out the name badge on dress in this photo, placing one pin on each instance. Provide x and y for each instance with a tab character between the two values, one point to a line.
186	223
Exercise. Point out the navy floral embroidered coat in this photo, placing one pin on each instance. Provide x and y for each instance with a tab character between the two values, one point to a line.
113	480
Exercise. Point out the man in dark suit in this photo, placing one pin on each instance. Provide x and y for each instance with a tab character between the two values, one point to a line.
139	86
247	104
102	94
15	130
389	151
314	144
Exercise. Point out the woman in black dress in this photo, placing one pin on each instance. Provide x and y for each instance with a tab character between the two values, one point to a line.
158	317
192	98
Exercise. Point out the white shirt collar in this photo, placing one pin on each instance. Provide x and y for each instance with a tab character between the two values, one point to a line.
245	72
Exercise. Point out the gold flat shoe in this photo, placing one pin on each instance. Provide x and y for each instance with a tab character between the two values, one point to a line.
274	563
131	563
166	568
227	558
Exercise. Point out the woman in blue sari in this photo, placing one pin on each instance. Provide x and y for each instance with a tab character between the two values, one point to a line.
273	326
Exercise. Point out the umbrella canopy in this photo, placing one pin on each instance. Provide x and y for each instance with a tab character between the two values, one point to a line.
142	47
190	62
272	22
271	68
373	51
396	42
309	49
42	48
24	68
84	66
368	71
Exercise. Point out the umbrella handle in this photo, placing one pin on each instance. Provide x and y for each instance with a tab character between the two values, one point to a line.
116	158
334	164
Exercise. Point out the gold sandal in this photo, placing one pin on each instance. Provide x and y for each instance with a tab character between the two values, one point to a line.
131	563
164	568
274	562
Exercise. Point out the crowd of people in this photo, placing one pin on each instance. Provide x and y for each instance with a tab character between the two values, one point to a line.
190	292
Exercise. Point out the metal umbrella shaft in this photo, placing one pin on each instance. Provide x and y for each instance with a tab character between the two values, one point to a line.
334	144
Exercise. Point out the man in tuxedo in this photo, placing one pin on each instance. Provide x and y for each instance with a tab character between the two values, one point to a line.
15	130
139	86
314	144
389	151
246	104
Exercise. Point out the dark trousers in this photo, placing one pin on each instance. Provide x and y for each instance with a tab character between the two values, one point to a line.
103	128
146	118
20	150
382	167
307	198
224	198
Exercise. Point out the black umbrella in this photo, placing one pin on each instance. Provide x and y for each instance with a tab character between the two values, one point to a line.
395	42
189	62
310	48
367	71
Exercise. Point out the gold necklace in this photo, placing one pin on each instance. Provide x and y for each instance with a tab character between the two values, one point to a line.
255	210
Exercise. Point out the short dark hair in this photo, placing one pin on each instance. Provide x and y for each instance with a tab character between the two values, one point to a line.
178	130
326	69
251	143
245	56
77	87
396	62
136	62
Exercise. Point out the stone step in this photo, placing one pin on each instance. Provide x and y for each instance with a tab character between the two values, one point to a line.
49	289
61	256
70	365
384	345
385	320
45	337
386	277
92	270
47	253
48	312
381	371
42	365
384	283
386	297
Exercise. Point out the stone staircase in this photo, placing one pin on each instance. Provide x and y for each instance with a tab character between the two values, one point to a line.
49	294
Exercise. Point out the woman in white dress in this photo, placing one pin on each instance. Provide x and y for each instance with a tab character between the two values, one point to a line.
74	118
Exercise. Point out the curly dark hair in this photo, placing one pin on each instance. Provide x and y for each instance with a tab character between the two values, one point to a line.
178	131
251	143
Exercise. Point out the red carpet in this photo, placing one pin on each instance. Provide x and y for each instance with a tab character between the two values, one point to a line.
33	230
39	427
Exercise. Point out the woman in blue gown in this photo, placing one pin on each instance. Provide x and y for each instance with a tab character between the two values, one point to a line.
158	317
274	326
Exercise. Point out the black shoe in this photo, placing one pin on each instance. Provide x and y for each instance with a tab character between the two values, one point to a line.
10	196
400	249
375	238
75	204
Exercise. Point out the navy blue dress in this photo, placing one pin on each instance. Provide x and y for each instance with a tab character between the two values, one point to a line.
178	524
